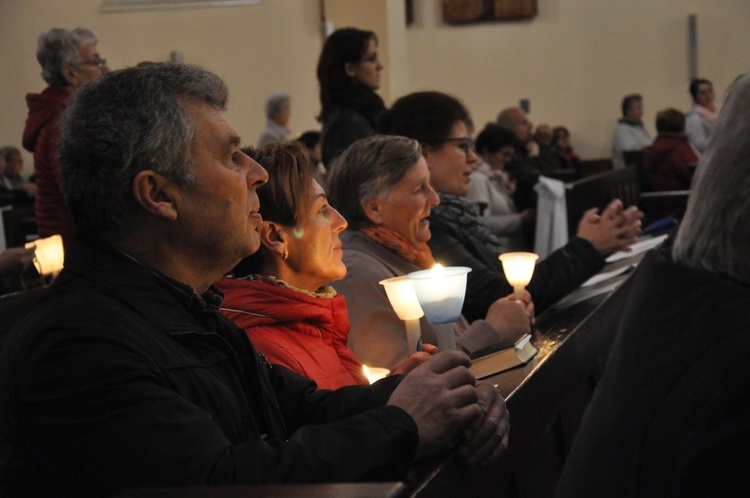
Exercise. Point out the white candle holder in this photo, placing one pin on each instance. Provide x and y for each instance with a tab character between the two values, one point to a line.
518	268
441	292
400	292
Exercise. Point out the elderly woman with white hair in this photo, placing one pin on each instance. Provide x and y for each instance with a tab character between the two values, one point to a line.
68	59
278	113
671	415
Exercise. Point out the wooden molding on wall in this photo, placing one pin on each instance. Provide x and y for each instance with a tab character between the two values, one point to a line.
470	11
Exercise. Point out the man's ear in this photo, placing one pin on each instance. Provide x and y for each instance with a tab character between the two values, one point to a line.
156	194
371	207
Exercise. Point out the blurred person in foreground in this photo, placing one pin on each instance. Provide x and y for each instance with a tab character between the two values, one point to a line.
671	415
125	375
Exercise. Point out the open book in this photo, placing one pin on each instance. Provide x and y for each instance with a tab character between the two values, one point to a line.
505	359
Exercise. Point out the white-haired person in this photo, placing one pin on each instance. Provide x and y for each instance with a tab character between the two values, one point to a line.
671	415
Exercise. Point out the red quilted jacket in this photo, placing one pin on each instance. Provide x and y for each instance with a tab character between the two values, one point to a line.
40	136
305	333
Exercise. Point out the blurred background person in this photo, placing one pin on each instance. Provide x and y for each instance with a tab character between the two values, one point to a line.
460	237
11	175
670	416
278	112
629	134
492	189
563	150
700	118
348	75
68	59
668	162
382	187
311	140
279	294
533	153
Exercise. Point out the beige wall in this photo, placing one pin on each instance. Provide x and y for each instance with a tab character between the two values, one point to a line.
574	61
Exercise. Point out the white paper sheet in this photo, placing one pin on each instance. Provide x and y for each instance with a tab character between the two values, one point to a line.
637	248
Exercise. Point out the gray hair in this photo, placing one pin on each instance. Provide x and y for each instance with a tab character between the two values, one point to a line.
59	47
276	102
369	168
715	233
126	122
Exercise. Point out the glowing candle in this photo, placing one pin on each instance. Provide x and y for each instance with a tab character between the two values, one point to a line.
374	374
518	268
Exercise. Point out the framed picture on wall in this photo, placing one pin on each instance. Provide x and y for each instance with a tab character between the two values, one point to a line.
131	5
469	11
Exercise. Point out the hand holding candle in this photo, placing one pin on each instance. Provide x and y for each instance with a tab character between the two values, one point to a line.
518	268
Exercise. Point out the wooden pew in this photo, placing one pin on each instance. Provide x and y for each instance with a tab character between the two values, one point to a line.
597	191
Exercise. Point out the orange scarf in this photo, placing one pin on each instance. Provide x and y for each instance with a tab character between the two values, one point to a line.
420	256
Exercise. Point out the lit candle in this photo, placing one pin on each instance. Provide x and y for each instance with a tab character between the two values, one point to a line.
441	292
48	255
518	268
374	374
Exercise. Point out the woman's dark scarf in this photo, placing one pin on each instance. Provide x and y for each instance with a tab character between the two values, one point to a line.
454	210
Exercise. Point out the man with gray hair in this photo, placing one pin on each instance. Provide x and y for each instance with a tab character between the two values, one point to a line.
125	375
278	113
68	59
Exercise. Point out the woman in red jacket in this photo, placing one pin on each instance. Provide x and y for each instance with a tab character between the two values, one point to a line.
279	295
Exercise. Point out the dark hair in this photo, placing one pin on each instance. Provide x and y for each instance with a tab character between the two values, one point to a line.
310	139
284	198
426	117
493	138
629	101
670	121
367	169
345	45
695	85
123	123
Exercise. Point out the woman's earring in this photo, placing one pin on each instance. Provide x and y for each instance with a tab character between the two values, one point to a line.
285	255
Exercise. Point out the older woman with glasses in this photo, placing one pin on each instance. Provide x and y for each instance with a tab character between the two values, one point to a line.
382	187
460	237
492	189
68	59
348	75
279	294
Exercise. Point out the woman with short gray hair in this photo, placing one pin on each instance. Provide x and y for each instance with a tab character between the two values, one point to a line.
68	59
381	185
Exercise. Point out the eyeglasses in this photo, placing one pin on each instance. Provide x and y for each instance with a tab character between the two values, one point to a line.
464	143
100	63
